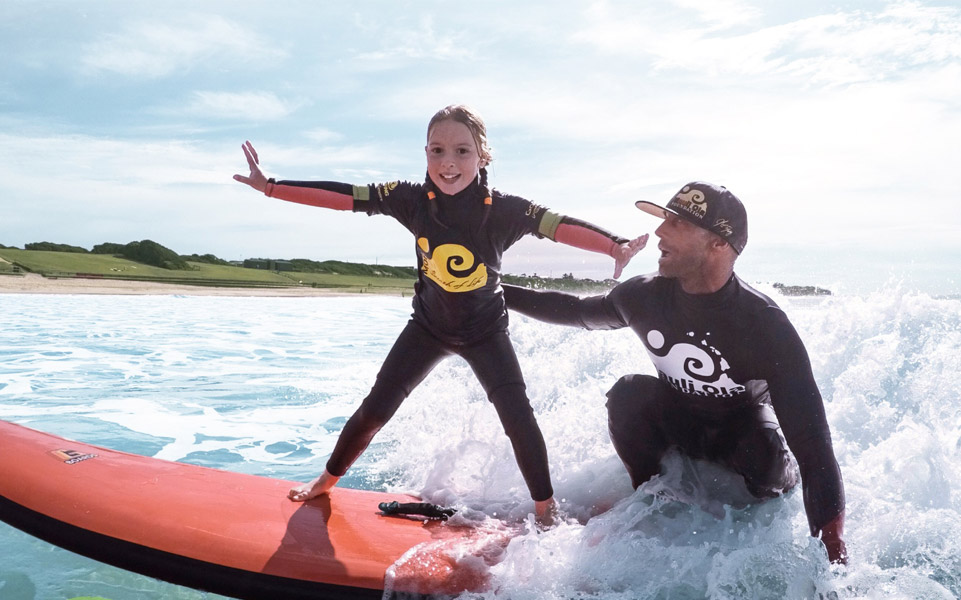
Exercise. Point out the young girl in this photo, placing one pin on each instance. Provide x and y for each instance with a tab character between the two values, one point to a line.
461	230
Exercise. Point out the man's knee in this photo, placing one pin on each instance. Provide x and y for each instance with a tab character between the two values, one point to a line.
765	463
630	397
635	426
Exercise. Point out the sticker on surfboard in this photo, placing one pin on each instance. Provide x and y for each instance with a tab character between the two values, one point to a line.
71	457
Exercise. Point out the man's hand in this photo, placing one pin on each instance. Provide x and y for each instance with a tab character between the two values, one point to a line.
831	535
626	251
545	513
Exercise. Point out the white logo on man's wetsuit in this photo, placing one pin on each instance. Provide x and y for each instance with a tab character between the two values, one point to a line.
692	369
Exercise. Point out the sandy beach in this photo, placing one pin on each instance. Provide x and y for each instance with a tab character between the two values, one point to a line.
32	283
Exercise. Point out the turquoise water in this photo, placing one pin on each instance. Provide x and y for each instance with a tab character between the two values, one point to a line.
263	386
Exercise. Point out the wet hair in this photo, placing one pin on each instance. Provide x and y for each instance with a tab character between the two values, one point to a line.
469	117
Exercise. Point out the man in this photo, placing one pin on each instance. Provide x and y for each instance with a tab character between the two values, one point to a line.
730	365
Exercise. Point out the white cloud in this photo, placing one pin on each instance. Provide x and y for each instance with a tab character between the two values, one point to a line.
722	13
323	135
826	49
253	106
99	165
844	48
149	49
400	42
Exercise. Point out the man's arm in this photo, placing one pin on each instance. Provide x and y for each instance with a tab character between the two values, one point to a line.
823	492
800	411
594	312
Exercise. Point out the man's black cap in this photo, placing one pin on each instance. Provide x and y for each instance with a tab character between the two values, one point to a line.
708	206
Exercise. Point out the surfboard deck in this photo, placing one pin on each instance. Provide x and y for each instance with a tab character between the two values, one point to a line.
230	533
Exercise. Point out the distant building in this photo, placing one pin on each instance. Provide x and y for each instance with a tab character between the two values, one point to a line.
266	264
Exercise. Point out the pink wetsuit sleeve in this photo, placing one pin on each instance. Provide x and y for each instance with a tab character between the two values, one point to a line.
310	196
585	239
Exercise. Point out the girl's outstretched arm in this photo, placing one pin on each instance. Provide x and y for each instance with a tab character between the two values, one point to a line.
333	195
579	235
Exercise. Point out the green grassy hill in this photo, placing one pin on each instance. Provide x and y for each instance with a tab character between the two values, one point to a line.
71	264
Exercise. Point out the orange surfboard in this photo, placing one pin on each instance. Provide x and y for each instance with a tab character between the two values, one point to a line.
230	533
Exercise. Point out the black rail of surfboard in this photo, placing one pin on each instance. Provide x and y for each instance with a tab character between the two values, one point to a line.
173	568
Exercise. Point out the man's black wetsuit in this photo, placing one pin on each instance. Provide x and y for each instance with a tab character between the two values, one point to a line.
723	360
458	309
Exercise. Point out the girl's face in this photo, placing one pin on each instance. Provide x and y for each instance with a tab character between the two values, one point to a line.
453	160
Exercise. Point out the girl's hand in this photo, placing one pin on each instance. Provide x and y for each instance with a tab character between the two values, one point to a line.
626	251
256	179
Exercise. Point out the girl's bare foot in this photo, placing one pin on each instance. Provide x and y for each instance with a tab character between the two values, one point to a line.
317	487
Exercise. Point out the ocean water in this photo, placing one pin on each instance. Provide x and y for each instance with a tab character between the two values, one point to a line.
263	386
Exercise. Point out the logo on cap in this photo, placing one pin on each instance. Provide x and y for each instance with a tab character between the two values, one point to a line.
691	201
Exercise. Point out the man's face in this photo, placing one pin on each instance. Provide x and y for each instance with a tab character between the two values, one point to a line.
684	248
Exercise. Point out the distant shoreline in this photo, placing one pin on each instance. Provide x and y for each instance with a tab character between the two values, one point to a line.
31	283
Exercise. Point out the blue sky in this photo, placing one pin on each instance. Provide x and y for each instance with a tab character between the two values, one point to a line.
837	123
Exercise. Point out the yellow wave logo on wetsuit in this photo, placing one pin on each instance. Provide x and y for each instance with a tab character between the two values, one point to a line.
452	267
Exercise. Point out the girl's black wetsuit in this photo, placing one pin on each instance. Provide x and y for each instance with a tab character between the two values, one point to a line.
723	361
458	308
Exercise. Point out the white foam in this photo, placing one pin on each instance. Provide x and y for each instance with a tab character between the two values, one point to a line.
15	386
